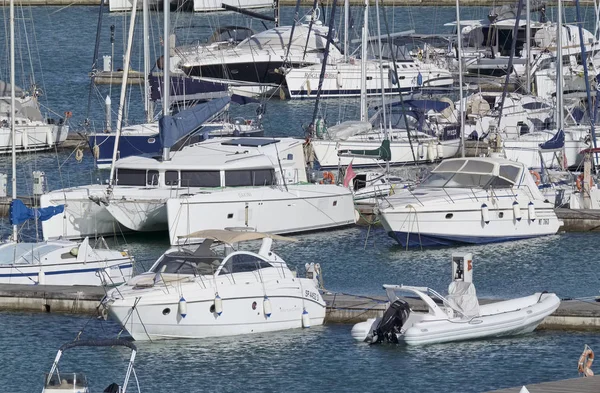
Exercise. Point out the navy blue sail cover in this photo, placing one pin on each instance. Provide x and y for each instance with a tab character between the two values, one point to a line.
557	142
173	128
19	213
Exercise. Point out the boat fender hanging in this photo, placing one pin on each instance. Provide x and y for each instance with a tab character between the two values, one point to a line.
267	306
79	154
41	278
421	150
430	152
218	304
585	362
531	211
305	319
308	87
339	80
517	210
182	308
485	213
440	150
392	77
419	79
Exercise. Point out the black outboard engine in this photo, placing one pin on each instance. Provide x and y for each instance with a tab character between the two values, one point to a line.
392	321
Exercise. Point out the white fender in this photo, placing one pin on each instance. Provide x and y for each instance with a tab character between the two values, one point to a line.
517	210
41	278
485	213
531	211
430	152
440	150
421	150
308	87
305	319
49	138
24	139
218	304
182	307
267	307
339	80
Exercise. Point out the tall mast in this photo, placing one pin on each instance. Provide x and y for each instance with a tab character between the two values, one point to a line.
166	65
381	81
363	65
12	108
559	67
148	106
346	24
460	80
528	40
123	92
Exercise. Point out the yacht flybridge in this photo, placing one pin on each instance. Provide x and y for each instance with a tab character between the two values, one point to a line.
472	201
236	179
200	291
456	317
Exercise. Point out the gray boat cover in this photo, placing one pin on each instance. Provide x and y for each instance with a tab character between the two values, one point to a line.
463	297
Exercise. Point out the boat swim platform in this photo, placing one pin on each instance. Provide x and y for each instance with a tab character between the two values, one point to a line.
341	308
571	385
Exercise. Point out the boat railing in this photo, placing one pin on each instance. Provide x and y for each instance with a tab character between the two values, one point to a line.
427	295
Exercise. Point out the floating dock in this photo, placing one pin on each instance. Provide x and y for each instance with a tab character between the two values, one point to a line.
573	385
579	220
341	308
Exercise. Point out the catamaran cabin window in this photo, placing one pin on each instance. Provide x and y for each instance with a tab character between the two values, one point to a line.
200	178
243	263
258	177
171	178
185	263
131	177
152	178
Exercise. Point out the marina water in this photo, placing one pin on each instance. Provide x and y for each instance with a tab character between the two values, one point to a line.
354	260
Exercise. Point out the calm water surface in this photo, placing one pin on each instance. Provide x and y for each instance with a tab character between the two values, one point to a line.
321	359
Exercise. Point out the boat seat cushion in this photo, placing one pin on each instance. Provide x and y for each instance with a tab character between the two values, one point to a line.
463	297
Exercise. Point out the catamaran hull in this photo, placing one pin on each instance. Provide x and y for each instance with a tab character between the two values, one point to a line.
300	208
418	228
160	318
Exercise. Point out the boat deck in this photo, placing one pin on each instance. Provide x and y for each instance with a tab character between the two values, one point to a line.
573	385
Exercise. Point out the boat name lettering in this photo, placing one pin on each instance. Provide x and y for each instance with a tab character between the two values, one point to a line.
315	75
544	221
244	194
311	295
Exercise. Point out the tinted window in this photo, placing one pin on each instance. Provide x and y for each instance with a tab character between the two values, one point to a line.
171	178
509	172
200	178
152	178
259	177
241	263
182	263
131	177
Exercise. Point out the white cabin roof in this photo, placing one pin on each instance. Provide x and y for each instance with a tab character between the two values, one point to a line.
491	166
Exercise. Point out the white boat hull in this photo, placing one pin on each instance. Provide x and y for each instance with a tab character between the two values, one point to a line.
33	137
264	209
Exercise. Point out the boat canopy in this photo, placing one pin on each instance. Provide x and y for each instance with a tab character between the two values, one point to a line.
28	253
475	173
347	129
231	237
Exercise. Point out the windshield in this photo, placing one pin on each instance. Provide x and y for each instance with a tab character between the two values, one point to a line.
187	263
457	180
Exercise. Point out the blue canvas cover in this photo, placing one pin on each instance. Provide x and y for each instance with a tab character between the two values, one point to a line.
173	128
556	143
19	213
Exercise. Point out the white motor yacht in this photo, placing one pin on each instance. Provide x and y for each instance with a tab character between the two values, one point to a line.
469	201
456	317
197	292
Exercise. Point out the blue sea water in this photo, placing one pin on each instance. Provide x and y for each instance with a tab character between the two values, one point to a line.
354	260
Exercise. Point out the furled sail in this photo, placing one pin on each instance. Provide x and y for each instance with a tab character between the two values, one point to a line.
19	213
556	143
173	128
383	152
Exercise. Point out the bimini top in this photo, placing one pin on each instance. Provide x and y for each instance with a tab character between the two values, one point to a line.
231	237
478	172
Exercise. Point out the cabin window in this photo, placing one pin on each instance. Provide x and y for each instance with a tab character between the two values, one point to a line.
510	172
172	178
131	177
152	178
184	263
200	178
258	177
243	263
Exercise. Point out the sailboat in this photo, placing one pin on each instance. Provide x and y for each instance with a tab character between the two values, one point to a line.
56	262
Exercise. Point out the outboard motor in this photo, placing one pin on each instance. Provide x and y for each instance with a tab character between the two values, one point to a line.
388	327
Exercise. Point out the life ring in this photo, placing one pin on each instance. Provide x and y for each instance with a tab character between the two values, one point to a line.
328	178
585	362
538	178
579	182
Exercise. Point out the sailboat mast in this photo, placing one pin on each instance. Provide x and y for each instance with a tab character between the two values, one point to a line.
528	40
363	65
559	67
123	92
346	24
12	108
148	106
460	80
381	81
166	66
